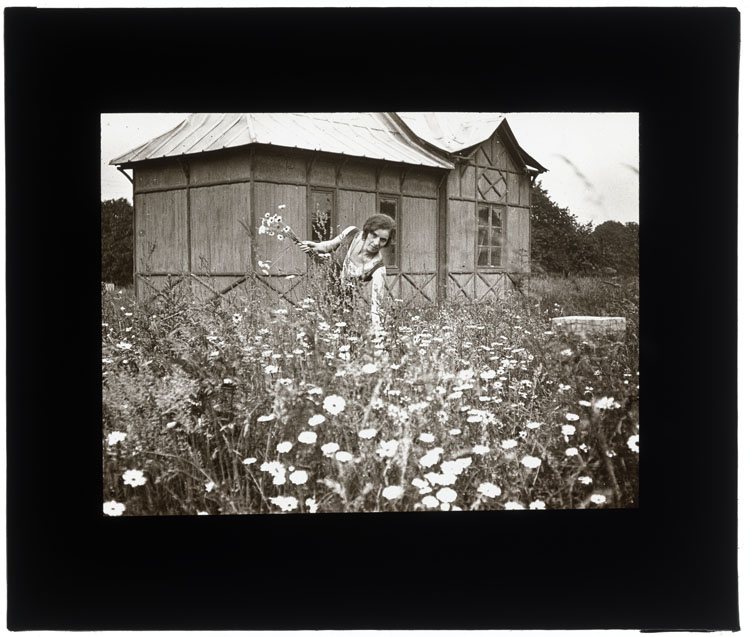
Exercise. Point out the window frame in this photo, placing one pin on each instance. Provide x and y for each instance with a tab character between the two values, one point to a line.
397	245
502	209
311	205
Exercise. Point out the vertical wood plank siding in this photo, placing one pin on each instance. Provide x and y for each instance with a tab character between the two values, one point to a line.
353	208
161	243
230	168
418	233
516	256
461	231
285	257
218	239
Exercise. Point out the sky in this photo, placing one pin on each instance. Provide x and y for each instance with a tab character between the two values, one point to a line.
592	158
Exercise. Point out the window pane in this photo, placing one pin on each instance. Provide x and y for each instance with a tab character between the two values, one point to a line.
497	217
482	260
497	237
388	207
322	210
484	215
496	257
482	236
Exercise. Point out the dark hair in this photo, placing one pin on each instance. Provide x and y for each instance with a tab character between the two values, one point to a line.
380	222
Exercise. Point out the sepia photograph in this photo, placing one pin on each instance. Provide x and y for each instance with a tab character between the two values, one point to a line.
369	312
284	363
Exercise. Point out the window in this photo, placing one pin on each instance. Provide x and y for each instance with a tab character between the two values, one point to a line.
389	206
321	207
490	235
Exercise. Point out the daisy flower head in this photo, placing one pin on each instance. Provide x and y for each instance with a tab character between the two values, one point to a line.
427	437
446	495
393	492
571	451
480	450
533	425
369	368
531	462
284	447
568	430
387	448
514	506
422	485
249	461
455	467
329	448
308	437
454	432
298	477
114	509
606	403
266	418
285	503
368	434
311	505
343	456
488	374
315	420
430	501
597	498
489	490
634	443
443	479
537	505
585	480
431	457
334	404
134	477
508	444
210	486
115	437
572	417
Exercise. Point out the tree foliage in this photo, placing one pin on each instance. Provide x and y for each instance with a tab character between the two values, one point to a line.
560	244
117	241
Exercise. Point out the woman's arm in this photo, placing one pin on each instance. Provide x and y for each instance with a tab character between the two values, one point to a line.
323	247
378	293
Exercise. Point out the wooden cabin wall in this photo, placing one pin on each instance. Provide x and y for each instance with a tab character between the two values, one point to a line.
491	177
223	189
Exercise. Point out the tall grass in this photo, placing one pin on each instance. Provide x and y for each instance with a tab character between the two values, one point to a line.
242	407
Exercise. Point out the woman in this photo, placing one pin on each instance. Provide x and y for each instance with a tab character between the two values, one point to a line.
359	260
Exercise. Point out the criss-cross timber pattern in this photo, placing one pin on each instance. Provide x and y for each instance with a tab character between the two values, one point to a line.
491	185
478	286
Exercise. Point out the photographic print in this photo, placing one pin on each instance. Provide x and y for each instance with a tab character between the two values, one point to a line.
369	312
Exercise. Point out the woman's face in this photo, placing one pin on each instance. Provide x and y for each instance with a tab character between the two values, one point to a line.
376	240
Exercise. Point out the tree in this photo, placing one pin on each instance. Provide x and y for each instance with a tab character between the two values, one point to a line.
616	246
117	241
558	242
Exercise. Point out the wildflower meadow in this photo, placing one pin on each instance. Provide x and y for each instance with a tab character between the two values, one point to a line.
237	406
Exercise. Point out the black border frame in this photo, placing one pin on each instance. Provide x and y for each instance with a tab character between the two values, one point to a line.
669	565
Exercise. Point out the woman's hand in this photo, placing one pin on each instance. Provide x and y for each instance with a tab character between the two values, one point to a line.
310	246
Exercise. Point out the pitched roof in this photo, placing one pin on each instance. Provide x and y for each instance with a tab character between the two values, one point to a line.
456	132
372	135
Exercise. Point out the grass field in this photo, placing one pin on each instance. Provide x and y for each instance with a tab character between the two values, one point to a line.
238	407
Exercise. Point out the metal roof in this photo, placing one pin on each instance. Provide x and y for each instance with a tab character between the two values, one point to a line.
454	132
371	135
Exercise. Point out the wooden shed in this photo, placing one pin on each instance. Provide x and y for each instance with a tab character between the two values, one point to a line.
458	186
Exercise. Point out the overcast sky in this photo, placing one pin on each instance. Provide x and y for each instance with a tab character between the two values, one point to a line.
592	158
